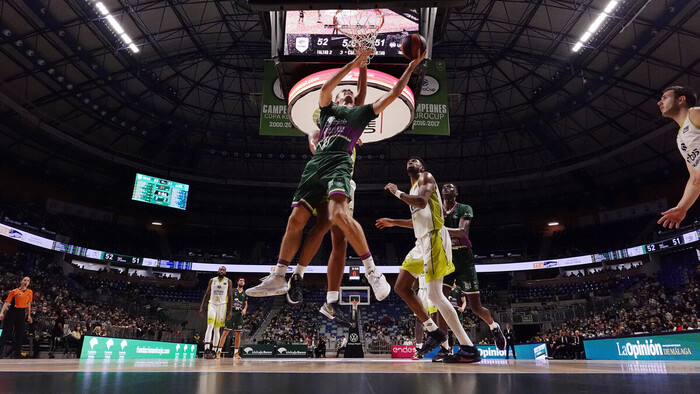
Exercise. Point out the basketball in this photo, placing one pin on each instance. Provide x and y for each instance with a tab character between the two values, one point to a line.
413	45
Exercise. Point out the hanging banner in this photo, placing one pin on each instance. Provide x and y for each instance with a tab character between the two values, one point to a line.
432	112
273	107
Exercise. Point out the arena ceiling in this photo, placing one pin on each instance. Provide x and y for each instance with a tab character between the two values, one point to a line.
530	118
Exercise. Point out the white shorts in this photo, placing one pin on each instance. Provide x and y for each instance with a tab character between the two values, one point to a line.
216	315
432	255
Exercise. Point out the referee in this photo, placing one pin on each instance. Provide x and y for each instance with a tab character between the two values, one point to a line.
16	310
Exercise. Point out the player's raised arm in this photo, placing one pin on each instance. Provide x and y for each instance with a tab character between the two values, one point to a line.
426	186
361	86
313	141
327	89
384	101
673	217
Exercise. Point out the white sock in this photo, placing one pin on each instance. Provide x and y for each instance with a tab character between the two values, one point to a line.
493	325
332	296
447	311
299	269
281	269
430	325
235	351
369	264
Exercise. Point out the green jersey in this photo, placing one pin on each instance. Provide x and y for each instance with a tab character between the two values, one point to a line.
239	299
342	126
455	297
452	219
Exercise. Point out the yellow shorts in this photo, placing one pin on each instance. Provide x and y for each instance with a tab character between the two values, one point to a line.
216	315
432	255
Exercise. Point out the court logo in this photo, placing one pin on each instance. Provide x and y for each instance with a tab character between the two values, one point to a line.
282	350
248	350
123	344
648	348
109	343
354	337
93	342
302	44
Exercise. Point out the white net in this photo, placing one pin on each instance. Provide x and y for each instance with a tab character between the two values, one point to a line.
361	26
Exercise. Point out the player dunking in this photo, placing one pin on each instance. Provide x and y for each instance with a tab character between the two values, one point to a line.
458	219
431	255
328	175
336	261
219	303
239	306
677	103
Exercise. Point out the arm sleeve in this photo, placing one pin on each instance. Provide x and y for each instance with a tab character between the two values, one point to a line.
368	112
10	296
467	213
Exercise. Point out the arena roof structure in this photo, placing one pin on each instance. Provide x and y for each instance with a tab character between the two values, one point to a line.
177	93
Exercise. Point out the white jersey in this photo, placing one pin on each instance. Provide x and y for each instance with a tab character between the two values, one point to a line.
429	218
219	291
688	141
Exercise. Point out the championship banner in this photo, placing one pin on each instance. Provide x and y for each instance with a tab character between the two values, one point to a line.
273	106
677	347
432	112
257	351
292	351
105	348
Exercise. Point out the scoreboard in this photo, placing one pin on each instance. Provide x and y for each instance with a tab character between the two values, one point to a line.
159	191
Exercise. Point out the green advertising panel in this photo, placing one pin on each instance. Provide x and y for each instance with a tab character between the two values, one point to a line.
432	112
682	347
104	348
255	351
273	106
291	351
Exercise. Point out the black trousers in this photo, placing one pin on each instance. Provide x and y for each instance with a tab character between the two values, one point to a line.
510	346
14	323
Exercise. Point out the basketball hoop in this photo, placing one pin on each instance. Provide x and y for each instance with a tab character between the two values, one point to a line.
361	26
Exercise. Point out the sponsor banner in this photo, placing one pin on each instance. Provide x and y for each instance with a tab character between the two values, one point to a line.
250	351
527	351
402	351
26	237
534	265
291	351
105	348
273	106
432	114
682	347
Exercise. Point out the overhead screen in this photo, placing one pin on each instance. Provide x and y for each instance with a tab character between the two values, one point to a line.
159	191
312	33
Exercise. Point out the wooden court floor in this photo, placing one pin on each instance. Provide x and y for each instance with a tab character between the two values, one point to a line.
346	376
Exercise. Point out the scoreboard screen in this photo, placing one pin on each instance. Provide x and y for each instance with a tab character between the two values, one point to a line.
159	191
313	33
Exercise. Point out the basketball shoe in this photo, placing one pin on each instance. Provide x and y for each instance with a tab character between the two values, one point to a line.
379	284
272	285
466	354
441	355
498	338
295	294
435	338
333	312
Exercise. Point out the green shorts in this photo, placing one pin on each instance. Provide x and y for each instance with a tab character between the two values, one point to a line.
465	272
325	174
235	323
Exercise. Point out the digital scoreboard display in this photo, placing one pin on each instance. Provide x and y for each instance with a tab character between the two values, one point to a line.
158	191
314	33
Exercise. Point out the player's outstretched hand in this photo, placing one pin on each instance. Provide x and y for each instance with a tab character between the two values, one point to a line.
361	58
384	223
672	218
392	188
415	62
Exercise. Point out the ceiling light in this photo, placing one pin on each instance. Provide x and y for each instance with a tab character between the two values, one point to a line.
577	47
551	224
126	38
597	22
102	8
157	223
611	5
134	48
115	25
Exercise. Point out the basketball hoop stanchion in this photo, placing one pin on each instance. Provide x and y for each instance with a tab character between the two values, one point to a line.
361	26
354	347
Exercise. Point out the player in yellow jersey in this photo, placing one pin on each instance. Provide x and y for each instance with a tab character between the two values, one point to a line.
217	294
678	103
432	255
